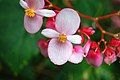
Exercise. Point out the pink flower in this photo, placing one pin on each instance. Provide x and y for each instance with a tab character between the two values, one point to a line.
110	56
50	23
77	55
114	42
94	58
88	31
34	13
43	45
60	47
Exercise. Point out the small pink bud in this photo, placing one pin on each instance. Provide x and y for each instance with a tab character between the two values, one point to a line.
118	51
94	58
88	30
114	42
50	23
110	56
43	45
94	45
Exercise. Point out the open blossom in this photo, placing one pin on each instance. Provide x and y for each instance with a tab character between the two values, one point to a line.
34	14
60	47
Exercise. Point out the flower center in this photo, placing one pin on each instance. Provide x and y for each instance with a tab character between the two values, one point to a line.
30	12
62	38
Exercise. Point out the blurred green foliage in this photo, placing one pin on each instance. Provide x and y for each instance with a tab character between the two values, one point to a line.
20	58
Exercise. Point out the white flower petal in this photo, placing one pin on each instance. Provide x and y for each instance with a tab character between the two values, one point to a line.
45	12
33	25
23	4
59	53
36	4
50	33
67	21
77	55
76	39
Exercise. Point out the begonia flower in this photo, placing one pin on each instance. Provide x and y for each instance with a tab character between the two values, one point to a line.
94	58
34	13
60	46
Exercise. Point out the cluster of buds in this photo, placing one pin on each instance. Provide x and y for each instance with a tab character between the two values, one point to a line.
112	51
66	41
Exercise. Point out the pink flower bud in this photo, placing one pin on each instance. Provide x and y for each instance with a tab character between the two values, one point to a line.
118	51
43	45
88	30
94	58
110	56
94	45
50	23
114	42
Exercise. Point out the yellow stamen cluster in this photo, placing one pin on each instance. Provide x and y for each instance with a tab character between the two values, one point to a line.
30	12
62	38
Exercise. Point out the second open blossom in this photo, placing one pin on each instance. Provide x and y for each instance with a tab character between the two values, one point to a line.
34	13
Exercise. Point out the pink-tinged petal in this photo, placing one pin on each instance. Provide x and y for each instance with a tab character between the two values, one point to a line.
33	25
43	45
23	4
67	21
76	39
50	33
59	53
45	12
77	55
36	4
86	48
